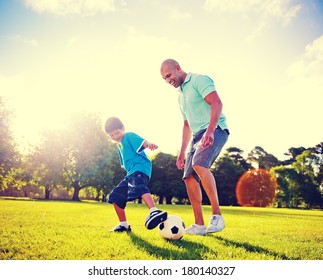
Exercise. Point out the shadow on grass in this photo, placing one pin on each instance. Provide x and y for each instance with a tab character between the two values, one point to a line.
252	248
186	250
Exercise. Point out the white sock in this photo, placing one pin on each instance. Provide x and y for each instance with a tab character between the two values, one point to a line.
200	226
152	209
124	223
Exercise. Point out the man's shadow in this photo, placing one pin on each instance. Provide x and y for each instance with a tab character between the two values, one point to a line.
188	250
253	248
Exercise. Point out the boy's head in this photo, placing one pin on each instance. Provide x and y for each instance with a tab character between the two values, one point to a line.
115	128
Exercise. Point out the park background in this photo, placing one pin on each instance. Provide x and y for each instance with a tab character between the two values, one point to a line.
68	65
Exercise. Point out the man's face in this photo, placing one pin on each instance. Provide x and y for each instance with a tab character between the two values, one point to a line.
171	75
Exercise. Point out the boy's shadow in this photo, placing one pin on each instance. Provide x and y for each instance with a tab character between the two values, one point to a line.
187	250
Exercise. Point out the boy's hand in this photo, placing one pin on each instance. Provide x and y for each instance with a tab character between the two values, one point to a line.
150	146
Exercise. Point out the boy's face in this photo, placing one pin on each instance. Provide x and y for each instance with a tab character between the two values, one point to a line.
116	135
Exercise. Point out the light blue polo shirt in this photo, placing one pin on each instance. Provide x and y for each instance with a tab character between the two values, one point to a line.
192	104
132	155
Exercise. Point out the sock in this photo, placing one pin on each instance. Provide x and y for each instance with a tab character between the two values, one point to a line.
200	226
125	224
152	209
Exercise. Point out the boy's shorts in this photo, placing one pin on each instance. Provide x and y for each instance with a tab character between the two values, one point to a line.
205	157
129	189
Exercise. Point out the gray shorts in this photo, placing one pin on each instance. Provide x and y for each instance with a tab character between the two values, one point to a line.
205	157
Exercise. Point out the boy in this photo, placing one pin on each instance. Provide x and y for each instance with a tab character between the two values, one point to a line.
138	167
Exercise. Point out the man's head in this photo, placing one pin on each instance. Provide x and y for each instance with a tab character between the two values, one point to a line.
115	128
172	73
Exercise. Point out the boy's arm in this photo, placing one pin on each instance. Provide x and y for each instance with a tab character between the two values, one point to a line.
149	145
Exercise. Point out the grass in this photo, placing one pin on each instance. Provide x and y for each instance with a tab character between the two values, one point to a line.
52	230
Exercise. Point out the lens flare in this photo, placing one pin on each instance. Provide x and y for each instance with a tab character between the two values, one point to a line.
257	188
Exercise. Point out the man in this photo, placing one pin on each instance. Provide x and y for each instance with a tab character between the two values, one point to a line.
205	123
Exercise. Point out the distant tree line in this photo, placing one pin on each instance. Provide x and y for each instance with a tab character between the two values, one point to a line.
80	162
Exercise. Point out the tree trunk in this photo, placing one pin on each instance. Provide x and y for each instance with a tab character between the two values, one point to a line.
76	187
47	193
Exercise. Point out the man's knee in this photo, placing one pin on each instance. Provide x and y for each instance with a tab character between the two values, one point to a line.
191	180
198	168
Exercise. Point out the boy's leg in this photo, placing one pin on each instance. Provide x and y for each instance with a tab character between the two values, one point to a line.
156	216
118	197
138	188
147	198
121	213
123	226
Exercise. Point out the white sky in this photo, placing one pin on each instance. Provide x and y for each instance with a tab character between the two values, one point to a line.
265	56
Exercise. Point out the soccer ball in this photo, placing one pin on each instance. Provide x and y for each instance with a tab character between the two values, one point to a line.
173	228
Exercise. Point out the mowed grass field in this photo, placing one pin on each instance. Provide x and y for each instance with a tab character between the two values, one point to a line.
54	230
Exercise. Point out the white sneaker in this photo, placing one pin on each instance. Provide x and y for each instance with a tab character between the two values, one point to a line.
216	224
196	230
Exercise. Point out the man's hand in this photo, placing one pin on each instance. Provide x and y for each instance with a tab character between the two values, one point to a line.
180	162
207	139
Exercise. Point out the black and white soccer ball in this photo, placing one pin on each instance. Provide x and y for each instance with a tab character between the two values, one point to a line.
173	228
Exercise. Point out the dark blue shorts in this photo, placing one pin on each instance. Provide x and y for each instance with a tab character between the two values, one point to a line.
197	155
129	189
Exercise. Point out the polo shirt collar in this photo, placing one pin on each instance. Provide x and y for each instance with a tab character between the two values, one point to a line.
187	79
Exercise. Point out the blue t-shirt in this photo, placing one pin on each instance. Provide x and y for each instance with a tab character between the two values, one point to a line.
132	155
192	104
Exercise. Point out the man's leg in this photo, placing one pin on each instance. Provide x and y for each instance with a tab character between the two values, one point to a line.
209	185
195	196
216	223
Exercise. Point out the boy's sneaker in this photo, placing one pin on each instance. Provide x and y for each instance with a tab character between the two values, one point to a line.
120	228
196	230
216	224
155	218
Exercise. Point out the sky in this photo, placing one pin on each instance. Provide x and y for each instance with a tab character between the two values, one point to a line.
265	56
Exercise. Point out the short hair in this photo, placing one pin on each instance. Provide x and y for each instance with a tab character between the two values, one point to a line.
112	124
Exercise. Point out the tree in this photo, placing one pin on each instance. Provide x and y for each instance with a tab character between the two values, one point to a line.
9	155
259	158
166	180
306	165
87	154
292	154
227	171
289	192
48	161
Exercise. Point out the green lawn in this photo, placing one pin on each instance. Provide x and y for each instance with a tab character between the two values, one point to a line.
50	230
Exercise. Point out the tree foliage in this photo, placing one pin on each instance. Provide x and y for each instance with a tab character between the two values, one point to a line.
227	171
166	180
9	155
81	157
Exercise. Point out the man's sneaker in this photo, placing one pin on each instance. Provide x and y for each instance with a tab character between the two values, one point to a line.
120	228
155	218
196	230
216	224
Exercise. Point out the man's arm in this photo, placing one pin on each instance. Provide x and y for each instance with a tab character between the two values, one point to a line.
215	102
186	137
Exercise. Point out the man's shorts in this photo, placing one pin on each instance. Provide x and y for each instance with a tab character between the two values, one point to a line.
205	157
129	189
